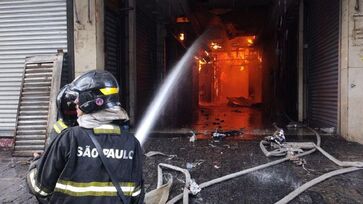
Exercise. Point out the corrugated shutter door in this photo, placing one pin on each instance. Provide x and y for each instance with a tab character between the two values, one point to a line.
112	43
322	76
145	59
27	28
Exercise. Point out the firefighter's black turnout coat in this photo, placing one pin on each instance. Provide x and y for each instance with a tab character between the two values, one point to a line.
70	170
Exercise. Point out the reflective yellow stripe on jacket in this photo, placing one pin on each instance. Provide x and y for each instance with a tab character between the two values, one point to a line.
95	188
33	184
59	126
107	129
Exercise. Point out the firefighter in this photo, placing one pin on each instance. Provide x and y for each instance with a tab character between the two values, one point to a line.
82	163
67	114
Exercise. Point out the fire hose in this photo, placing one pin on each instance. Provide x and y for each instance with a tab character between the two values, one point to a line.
284	148
309	184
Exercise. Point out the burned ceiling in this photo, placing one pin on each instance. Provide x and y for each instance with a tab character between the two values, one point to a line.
243	17
233	17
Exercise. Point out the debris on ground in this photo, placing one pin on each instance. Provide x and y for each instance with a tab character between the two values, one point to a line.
193	138
301	162
216	166
221	134
278	137
228	146
330	130
237	111
191	165
241	102
293	125
194	187
154	153
218	135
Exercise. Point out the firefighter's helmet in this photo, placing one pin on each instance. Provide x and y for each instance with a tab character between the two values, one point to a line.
66	107
95	90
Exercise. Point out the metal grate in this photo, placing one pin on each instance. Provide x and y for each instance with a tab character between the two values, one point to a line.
36	111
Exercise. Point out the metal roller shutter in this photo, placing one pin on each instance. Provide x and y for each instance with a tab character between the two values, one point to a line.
145	59
27	28
323	51
112	42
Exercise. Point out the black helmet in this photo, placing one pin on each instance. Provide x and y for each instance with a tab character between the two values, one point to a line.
66	107
95	90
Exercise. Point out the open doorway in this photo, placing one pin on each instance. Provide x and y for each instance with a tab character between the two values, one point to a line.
244	73
229	85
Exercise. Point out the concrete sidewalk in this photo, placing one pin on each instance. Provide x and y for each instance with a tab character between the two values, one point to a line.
217	159
12	179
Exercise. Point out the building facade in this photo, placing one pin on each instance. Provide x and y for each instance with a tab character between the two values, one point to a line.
312	67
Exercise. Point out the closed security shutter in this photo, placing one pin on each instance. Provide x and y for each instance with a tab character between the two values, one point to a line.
145	59
27	28
323	50
112	43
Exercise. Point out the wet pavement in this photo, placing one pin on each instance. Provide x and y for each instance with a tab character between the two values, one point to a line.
12	179
223	117
215	159
210	159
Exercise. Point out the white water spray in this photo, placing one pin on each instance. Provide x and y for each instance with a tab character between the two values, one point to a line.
164	92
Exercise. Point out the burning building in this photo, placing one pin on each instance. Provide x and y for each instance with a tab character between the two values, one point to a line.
261	58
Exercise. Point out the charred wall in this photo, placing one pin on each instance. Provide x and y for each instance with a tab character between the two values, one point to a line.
279	43
287	71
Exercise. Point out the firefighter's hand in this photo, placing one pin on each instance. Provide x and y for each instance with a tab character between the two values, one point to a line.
34	162
36	155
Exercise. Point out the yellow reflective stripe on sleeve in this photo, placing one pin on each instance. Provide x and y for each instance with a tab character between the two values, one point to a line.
108	91
33	183
93	188
134	194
